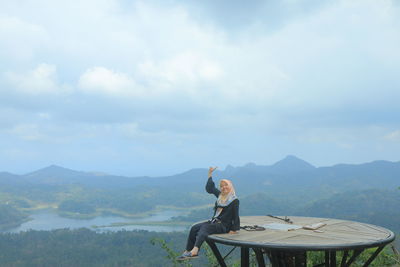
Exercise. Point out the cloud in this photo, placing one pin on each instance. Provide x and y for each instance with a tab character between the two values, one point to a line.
41	80
28	132
156	52
393	136
235	17
104	81
20	39
183	68
179	74
187	75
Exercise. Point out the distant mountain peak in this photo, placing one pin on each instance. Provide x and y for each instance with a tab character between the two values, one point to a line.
292	163
250	165
292	157
54	167
53	170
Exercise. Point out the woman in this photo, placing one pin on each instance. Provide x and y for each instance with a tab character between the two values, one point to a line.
225	218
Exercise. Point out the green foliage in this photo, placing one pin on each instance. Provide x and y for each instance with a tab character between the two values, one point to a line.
262	204
210	260
10	216
83	247
379	207
396	253
385	258
20	203
171	254
196	215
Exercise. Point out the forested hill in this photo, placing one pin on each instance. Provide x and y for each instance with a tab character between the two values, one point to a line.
379	207
10	216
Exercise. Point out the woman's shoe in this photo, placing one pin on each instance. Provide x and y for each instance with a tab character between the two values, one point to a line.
186	256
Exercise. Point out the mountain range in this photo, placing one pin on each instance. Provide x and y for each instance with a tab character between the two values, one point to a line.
286	176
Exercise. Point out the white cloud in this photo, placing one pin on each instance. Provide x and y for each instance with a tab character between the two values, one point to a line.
332	59
41	80
27	132
155	53
100	80
183	73
20	39
393	136
183	68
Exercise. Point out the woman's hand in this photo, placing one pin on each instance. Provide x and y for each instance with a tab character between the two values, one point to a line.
210	171
232	232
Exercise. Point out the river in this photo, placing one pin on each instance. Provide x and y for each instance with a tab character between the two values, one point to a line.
47	220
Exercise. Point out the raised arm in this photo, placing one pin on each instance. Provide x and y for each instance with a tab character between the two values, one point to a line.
210	186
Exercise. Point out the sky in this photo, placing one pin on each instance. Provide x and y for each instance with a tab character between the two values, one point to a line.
158	87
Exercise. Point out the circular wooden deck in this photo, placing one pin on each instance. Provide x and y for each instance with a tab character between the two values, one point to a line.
335	235
287	244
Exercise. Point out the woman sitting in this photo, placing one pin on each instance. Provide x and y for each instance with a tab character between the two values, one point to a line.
225	218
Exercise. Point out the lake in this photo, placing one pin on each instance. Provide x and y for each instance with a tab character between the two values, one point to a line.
47	220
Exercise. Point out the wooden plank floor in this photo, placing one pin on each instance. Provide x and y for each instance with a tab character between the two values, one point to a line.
335	232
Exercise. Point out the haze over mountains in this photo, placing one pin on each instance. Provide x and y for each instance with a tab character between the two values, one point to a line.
287	175
291	186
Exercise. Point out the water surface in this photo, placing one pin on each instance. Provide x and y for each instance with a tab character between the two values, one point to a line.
47	220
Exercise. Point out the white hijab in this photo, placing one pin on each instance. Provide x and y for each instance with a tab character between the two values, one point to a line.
225	200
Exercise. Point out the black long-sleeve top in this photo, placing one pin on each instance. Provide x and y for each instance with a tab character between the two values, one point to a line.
229	215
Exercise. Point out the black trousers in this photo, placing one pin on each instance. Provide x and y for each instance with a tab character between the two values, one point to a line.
200	231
